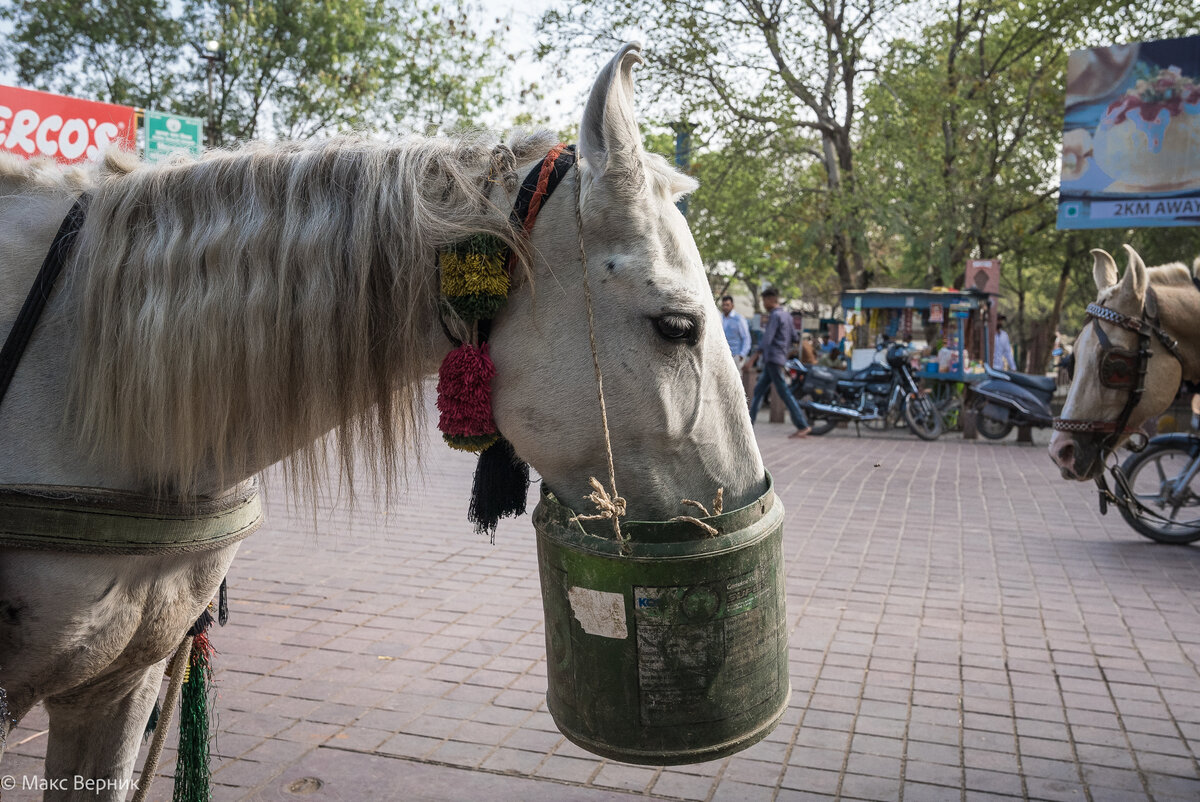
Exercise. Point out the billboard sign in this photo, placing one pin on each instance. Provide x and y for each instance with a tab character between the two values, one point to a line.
65	128
1131	136
167	134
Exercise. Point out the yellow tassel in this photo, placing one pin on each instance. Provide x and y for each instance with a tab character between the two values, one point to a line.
472	273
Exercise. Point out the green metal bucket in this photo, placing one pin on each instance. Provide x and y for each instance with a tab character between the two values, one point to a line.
674	651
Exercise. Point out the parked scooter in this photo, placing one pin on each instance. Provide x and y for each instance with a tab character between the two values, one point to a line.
880	394
1007	399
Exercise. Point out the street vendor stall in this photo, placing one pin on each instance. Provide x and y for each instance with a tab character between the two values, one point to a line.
948	326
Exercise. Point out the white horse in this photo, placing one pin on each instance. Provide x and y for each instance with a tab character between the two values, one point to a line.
1108	385
220	315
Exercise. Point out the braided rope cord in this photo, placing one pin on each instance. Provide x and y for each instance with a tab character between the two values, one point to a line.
179	669
613	506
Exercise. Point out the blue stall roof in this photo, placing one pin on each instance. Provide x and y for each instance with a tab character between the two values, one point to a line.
886	298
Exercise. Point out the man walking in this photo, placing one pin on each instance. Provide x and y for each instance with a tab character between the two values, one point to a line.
1003	358
737	331
776	340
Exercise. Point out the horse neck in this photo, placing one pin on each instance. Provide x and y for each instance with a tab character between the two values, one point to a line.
1179	311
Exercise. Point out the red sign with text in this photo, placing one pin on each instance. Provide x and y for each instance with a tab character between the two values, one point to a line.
64	128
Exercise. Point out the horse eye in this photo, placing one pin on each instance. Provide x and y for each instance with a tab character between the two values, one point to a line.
678	328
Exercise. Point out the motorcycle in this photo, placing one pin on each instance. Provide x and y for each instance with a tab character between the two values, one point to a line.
879	395
1158	489
1007	399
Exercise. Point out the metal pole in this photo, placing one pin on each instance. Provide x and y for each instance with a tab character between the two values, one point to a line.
211	132
683	156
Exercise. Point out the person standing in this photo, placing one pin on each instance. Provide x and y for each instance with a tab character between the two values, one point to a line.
773	349
1004	352
737	331
808	352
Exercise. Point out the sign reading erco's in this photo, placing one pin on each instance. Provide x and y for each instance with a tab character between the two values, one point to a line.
64	128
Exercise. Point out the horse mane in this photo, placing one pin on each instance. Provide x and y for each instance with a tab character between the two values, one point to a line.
229	309
1172	274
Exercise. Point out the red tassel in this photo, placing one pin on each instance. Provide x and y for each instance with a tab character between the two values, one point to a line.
465	393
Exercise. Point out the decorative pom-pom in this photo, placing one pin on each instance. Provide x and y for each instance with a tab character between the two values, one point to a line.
474	266
476	307
465	398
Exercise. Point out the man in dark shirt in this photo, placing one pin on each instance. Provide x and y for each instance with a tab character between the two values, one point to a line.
773	347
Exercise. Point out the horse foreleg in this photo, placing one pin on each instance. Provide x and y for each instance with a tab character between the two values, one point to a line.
95	733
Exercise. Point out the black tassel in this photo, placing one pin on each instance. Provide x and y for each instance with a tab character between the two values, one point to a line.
152	724
202	623
501	485
223	605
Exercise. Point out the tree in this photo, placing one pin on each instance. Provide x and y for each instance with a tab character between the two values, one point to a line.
783	74
961	133
294	68
121	51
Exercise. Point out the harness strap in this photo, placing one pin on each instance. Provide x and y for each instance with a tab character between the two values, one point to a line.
39	293
540	184
100	521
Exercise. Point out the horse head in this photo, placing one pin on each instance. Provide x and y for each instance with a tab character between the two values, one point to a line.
675	405
1106	377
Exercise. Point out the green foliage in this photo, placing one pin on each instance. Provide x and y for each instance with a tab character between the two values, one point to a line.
128	55
962	130
755	221
783	77
294	68
884	143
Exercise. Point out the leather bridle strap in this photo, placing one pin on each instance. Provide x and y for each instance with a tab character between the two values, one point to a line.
39	294
1134	324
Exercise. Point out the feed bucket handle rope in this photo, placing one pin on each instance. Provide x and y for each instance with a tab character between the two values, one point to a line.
178	666
611	506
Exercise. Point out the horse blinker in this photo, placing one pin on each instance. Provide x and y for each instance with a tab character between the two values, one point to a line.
1119	369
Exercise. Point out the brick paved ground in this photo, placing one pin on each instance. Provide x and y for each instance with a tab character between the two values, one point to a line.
965	626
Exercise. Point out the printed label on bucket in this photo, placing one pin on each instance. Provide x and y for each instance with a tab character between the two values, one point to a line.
698	645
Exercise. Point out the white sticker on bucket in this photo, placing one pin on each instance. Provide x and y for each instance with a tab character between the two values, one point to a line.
598	612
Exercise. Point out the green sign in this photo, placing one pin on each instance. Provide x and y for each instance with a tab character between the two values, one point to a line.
167	134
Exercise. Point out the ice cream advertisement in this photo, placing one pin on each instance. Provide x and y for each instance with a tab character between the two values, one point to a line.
1131	136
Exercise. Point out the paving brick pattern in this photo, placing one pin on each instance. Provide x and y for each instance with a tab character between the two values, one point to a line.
965	625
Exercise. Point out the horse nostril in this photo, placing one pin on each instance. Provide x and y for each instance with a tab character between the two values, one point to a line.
1064	455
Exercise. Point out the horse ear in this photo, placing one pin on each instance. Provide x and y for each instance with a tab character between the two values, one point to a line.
610	141
1136	280
1104	269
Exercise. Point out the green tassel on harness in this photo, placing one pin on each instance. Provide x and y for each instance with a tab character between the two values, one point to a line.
192	773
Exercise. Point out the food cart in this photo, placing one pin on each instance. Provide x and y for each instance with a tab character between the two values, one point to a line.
948	330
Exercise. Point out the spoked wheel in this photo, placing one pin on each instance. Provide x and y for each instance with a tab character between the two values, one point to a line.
923	417
819	423
1174	512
